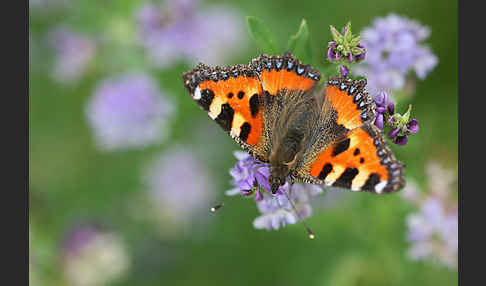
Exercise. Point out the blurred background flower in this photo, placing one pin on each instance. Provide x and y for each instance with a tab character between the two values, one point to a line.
129	111
73	54
433	228
185	30
394	48
93	256
178	191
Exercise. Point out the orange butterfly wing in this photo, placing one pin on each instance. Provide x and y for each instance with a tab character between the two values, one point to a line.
361	160
284	72
232	97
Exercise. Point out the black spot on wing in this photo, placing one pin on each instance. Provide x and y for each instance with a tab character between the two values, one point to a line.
245	131
356	152
254	104
346	178
325	171
225	118
340	147
370	184
207	97
241	94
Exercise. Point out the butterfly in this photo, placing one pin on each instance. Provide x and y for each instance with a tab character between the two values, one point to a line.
274	110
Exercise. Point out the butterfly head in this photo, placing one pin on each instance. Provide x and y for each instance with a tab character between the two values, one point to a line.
278	175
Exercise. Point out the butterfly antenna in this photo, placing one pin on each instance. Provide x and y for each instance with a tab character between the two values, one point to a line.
220	205
307	229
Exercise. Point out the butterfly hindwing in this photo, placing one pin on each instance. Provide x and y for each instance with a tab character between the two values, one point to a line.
232	97
361	161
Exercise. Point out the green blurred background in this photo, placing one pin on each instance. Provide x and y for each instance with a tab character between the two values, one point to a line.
361	238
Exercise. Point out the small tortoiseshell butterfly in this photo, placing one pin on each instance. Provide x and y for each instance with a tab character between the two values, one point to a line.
271	109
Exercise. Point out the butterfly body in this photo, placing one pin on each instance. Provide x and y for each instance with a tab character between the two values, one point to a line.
272	109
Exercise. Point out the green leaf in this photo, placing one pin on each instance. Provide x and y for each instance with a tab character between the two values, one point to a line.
336	36
355	41
262	36
299	44
347	35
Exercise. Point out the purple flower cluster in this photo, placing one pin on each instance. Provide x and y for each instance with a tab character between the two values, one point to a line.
335	55
401	126
277	210
345	49
249	173
250	176
433	229
182	30
128	111
394	46
74	53
93	256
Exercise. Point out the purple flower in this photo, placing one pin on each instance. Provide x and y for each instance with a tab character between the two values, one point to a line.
398	126
394	47
393	133
412	126
391	108
251	174
379	120
433	232
178	188
277	211
345	45
183	30
344	70
433	229
401	140
337	55
330	55
381	100
361	56
350	58
93	256
128	111
74	52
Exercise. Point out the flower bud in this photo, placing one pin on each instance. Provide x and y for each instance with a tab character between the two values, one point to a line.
381	99
401	140
379	120
412	126
344	70
393	133
391	108
350	57
330	55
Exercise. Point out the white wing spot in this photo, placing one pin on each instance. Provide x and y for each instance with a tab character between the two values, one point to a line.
380	186
197	93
